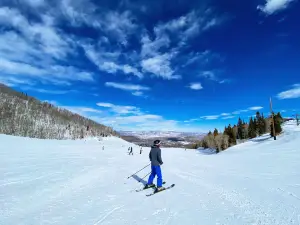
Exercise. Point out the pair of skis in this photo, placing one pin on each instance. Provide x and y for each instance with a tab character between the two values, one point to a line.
155	191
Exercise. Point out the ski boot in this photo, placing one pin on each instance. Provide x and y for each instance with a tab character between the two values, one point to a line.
158	189
149	186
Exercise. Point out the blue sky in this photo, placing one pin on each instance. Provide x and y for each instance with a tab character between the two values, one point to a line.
155	65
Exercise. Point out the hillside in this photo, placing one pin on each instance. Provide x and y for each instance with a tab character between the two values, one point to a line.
22	115
76	182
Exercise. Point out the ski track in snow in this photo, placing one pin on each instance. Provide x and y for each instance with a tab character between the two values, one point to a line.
76	182
107	215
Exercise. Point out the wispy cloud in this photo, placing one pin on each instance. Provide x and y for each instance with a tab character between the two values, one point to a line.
291	93
119	109
213	117
240	111
31	49
228	117
212	75
81	110
195	86
225	114
209	75
128	117
254	108
160	66
135	89
273	6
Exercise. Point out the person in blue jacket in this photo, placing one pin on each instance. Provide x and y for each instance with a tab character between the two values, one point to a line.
156	162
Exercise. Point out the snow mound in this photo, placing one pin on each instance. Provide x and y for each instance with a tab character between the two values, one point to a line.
77	182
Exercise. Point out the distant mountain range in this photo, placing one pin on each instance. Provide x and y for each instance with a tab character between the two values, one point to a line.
153	134
169	138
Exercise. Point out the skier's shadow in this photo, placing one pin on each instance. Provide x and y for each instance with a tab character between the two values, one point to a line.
137	178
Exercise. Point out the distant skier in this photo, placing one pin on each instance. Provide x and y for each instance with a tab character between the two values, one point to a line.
131	151
156	162
141	150
102	147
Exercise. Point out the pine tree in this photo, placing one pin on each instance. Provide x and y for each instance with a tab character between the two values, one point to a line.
230	133
277	124
216	132
255	126
262	125
240	129
251	129
209	133
225	131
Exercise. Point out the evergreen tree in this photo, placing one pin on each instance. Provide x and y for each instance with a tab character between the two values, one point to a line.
255	126
209	133
232	137
216	132
251	129
225	131
262	125
277	124
240	129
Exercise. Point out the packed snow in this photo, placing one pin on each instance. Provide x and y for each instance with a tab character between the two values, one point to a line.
77	182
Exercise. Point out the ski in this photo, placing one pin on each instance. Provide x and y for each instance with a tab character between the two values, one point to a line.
142	189
171	186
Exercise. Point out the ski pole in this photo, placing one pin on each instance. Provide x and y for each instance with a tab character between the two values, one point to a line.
144	177
139	171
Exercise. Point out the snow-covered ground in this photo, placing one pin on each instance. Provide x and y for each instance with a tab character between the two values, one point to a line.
76	182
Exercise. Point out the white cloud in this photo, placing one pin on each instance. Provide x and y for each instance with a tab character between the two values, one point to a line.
209	75
137	89
228	117
214	117
55	74
118	26
254	108
212	75
107	61
30	51
291	93
81	110
196	86
273	6
225	114
47	91
151	48
160	66
189	25
138	93
12	81
240	111
120	109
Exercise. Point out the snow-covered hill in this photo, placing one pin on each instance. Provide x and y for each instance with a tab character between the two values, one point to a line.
76	182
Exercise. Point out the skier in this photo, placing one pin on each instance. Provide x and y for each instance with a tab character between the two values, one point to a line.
156	162
141	150
131	152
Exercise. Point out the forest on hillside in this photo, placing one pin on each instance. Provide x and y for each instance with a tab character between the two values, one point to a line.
241	132
22	115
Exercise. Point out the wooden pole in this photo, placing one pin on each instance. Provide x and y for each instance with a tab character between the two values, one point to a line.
271	108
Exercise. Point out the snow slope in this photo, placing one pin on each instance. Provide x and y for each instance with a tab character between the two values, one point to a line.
76	182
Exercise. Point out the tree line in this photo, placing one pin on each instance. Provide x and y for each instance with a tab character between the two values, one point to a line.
22	115
240	132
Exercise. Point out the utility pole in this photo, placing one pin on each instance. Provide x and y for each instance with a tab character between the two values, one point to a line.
272	113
